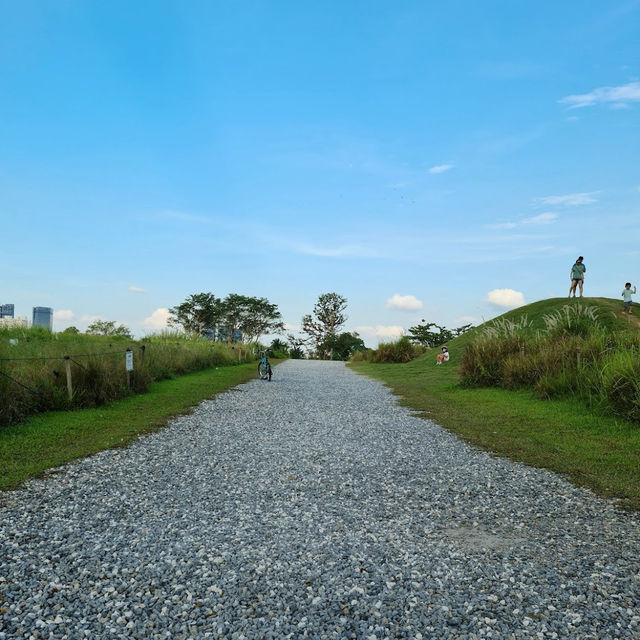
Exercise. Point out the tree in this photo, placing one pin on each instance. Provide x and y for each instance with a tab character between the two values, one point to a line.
200	311
296	347
279	346
425	334
261	317
72	330
343	346
252	316
108	328
329	317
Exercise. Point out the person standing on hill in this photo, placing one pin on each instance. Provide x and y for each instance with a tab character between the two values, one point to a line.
577	277
626	297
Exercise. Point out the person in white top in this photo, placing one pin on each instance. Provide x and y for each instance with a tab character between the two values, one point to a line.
626	298
443	357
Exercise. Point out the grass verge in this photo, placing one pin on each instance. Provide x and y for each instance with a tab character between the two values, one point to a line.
593	451
55	438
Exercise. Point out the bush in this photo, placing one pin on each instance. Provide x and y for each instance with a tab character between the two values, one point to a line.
401	350
572	359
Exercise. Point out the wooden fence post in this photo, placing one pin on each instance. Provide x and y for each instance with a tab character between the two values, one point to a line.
67	366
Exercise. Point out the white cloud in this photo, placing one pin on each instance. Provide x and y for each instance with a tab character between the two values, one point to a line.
570	199
503	225
404	303
543	218
89	318
63	314
441	168
158	319
617	97
137	289
389	332
505	298
291	327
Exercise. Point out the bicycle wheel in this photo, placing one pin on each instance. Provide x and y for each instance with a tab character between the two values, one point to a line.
263	370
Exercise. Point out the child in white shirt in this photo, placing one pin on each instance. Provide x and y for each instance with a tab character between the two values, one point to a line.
626	297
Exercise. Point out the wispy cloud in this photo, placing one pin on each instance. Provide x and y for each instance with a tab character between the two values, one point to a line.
135	289
570	199
541	219
344	251
441	168
404	303
617	97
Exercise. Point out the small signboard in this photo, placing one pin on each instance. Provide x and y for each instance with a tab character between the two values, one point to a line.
129	360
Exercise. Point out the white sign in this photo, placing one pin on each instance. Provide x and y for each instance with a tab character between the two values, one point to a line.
129	361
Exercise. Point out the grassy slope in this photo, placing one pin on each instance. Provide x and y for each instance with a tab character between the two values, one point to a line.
55	438
598	452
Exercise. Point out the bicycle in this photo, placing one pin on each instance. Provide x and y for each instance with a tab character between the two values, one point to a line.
264	366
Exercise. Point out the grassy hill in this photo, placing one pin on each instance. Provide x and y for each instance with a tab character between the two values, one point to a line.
608	309
593	449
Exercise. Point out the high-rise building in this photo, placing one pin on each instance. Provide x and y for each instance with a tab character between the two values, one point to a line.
7	311
43	317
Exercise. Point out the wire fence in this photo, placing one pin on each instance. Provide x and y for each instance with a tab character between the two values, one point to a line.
67	359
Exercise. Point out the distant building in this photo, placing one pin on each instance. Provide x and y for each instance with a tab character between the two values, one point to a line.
7	310
43	317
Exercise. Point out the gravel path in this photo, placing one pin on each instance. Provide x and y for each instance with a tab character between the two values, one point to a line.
312	507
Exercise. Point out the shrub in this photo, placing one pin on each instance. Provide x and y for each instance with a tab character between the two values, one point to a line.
401	350
572	320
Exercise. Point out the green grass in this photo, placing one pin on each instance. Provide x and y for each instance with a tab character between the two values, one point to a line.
98	378
594	451
55	438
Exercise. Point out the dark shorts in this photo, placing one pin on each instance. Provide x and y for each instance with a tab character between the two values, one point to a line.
627	305
576	280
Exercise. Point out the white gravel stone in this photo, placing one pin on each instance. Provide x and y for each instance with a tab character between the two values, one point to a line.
312	506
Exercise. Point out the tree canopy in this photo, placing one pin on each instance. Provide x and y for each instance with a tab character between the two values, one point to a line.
108	328
433	335
235	315
321	326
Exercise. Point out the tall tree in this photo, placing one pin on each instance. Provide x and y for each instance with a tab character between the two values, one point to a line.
261	317
108	328
328	316
198	312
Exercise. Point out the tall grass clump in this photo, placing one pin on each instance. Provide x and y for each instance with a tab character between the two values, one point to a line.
33	373
572	320
402	350
574	356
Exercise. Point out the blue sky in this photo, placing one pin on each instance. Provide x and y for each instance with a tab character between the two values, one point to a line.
415	157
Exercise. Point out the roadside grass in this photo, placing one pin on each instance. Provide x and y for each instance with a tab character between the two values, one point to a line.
33	372
591	448
55	438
